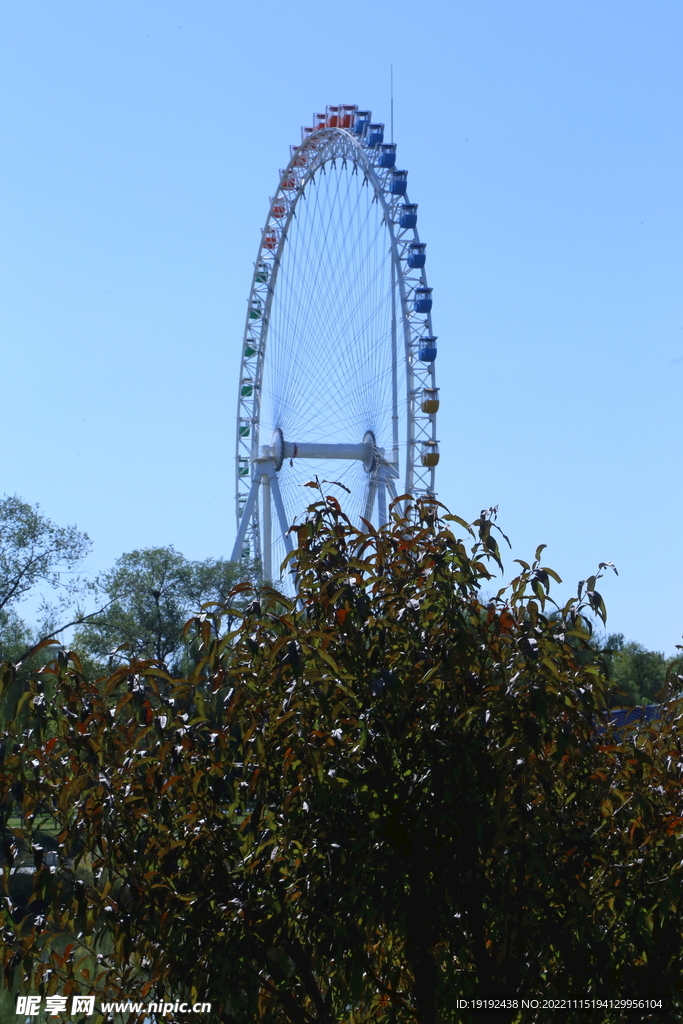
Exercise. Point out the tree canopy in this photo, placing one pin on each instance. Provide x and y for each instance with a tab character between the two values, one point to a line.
34	553
638	674
34	550
359	806
149	595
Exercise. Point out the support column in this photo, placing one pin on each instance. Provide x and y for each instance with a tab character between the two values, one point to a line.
381	501
280	509
267	529
370	502
245	520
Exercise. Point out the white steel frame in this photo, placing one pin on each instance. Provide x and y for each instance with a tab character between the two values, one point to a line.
257	465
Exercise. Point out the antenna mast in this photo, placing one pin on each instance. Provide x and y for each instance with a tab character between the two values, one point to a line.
392	102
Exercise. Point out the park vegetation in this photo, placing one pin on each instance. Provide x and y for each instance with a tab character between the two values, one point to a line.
140	606
355	806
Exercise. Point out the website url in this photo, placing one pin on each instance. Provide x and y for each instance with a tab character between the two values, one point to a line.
162	1008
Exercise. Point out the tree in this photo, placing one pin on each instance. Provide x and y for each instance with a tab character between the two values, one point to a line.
35	550
638	674
149	595
360	807
15	636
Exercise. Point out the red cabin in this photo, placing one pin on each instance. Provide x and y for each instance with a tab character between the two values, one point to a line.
347	115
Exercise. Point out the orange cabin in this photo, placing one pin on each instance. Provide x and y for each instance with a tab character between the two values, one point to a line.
270	241
279	210
347	116
429	455
430	400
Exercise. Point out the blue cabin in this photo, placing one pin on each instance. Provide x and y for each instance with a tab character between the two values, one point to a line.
387	157
362	119
427	349
374	135
423	300
416	255
399	184
408	218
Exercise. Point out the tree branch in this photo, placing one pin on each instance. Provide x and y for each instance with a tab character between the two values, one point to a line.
76	622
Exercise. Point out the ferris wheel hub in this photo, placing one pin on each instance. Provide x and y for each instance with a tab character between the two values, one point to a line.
370	444
277	447
367	452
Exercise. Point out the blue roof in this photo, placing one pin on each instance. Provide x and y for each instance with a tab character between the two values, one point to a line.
633	716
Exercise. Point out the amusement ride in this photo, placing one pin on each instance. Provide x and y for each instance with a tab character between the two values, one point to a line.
337	370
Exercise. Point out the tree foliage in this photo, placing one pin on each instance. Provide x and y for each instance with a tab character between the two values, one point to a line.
34	553
35	550
638	674
15	635
149	596
358	807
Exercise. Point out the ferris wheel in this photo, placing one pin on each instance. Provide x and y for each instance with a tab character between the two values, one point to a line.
337	369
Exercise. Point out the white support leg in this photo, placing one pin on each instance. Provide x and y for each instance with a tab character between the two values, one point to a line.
370	503
245	520
280	509
393	494
267	529
381	501
282	519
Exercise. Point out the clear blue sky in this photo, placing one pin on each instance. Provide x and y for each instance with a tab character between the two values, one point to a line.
140	144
